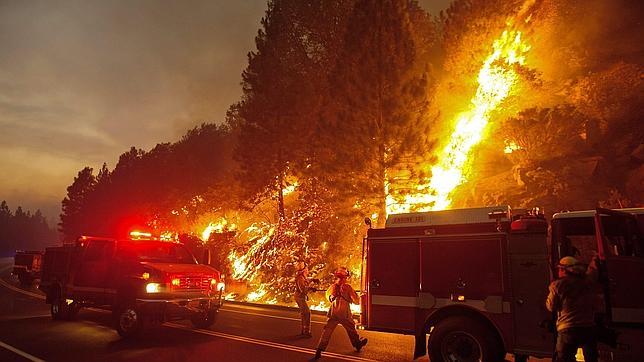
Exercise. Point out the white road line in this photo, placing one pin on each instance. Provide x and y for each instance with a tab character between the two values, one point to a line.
21	353
19	290
224	309
15	318
287	347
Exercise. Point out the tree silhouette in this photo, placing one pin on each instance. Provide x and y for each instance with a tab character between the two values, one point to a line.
73	216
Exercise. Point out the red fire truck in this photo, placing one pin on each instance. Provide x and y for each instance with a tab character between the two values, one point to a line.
475	280
26	265
143	281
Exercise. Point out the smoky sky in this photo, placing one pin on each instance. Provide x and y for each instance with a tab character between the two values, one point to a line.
82	81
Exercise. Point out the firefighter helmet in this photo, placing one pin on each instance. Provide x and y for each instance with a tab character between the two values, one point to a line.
571	265
342	272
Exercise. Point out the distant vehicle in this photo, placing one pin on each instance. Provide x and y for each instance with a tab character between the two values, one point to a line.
475	280
26	265
144	282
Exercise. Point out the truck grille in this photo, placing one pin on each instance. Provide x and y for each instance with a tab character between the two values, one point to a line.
192	282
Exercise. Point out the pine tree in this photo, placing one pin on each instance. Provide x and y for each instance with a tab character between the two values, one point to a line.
376	105
274	115
73	218
5	222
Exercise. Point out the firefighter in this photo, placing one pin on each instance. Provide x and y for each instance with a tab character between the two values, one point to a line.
302	288
573	298
340	295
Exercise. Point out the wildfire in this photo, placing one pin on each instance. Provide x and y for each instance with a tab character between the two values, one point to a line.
256	295
324	306
241	263
511	146
218	227
496	79
290	188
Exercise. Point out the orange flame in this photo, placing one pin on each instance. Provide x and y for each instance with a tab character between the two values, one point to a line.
496	79
261	234
218	227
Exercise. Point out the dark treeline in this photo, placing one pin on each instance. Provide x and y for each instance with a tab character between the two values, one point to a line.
21	229
350	99
157	187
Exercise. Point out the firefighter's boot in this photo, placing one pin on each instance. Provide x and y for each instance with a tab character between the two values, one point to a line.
305	333
318	354
361	343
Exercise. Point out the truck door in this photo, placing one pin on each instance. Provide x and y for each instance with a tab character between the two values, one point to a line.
621	246
91	275
393	284
530	276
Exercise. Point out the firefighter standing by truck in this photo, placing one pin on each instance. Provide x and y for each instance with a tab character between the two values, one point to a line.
341	295
302	288
573	297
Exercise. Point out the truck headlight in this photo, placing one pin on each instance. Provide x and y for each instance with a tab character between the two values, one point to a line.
153	288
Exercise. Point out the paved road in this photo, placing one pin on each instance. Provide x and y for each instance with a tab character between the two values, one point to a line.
242	333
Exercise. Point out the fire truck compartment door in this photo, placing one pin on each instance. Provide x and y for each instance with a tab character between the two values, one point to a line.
529	278
620	238
393	284
92	271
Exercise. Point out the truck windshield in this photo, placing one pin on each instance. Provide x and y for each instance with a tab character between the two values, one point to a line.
159	252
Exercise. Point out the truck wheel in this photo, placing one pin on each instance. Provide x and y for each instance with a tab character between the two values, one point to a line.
72	310
464	340
128	322
204	319
59	308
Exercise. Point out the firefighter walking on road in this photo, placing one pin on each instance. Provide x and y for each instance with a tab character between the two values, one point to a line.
573	297
340	295
302	289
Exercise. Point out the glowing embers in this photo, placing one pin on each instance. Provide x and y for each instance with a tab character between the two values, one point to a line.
496	79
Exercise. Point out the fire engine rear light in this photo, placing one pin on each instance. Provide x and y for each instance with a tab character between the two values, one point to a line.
176	282
145	276
221	286
153	288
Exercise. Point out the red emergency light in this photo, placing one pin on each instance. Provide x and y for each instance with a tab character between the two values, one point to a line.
140	235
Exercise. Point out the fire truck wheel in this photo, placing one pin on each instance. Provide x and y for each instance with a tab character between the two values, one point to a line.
128	322
205	319
463	339
72	310
59	308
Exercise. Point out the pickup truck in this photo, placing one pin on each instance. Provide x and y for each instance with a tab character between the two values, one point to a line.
26	265
143	282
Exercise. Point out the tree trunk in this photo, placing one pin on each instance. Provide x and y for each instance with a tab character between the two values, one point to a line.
280	190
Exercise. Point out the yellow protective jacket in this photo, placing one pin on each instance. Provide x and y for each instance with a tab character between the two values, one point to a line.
341	295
